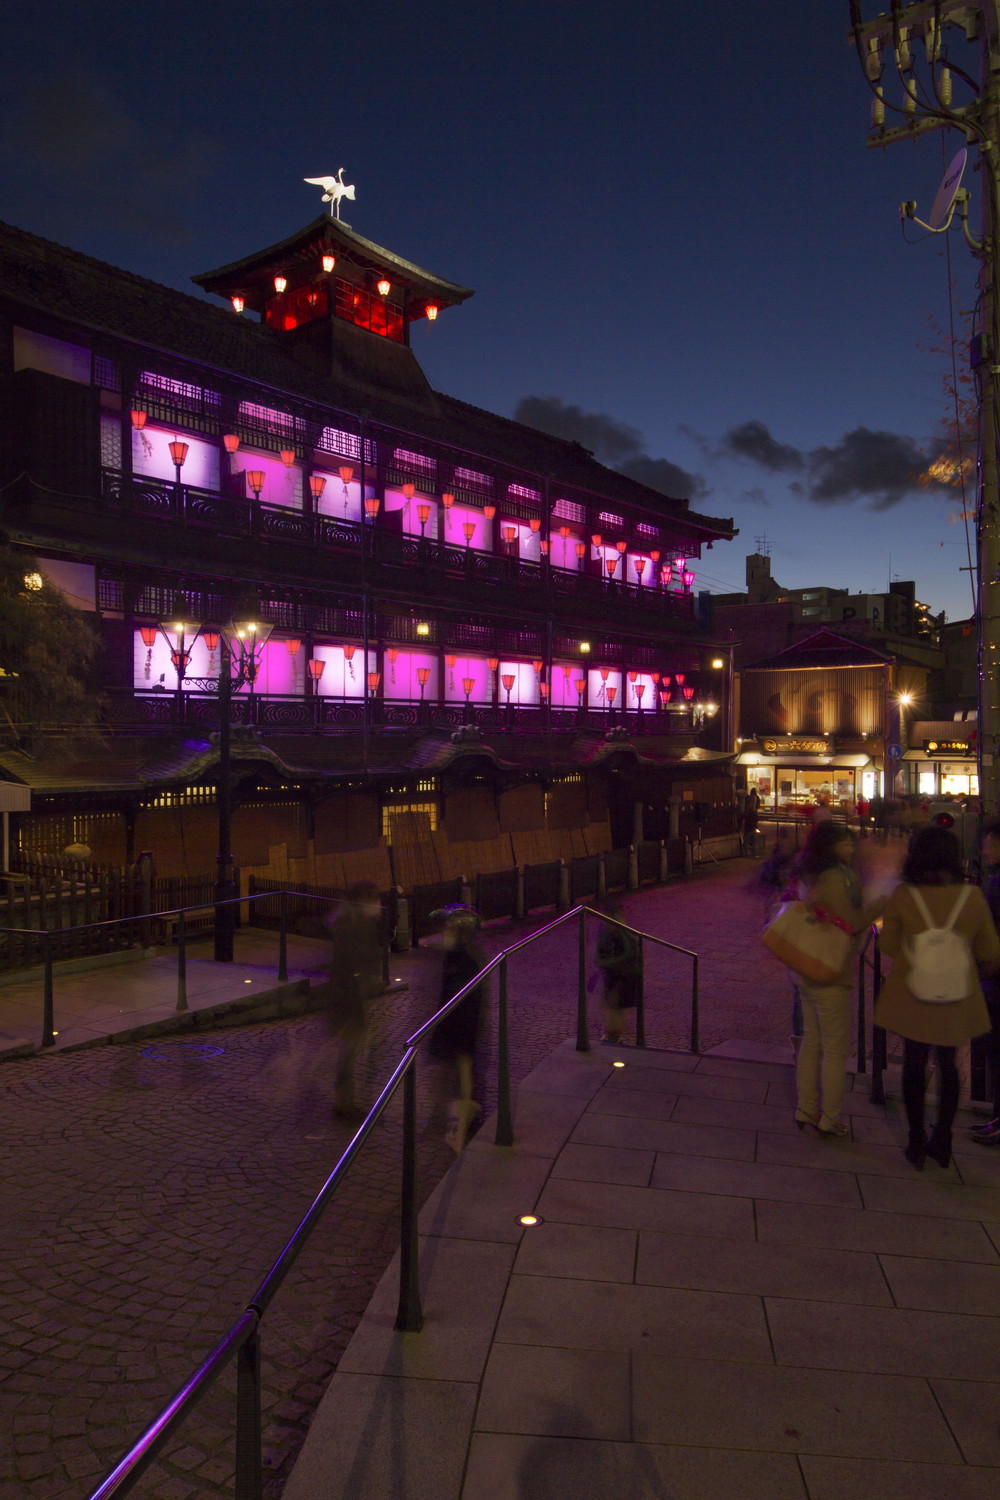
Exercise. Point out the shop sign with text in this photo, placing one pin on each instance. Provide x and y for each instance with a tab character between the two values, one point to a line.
792	744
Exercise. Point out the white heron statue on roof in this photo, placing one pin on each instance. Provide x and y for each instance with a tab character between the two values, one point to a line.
334	188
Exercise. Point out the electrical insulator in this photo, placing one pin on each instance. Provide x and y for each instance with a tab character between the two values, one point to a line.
944	86
909	103
878	111
904	54
932	41
873	61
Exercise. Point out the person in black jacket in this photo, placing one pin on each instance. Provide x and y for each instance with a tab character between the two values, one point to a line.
989	1134
455	1039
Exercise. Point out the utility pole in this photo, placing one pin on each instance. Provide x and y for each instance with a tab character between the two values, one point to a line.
923	102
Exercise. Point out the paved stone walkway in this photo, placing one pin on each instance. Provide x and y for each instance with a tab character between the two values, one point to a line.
710	1304
145	1188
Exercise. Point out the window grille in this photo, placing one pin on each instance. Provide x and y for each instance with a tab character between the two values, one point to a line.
191	796
402	458
522	492
104	372
111	442
110	595
645	530
266	419
608	519
180	393
346	444
376	313
568	510
470	479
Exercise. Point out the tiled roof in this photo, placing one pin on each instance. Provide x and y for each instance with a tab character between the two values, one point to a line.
94	296
140	764
824	649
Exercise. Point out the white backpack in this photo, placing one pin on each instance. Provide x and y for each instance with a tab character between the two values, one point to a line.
941	967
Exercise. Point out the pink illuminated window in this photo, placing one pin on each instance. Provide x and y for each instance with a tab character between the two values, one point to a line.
151	457
282	486
344	670
525	686
461	671
599	681
400	679
411	509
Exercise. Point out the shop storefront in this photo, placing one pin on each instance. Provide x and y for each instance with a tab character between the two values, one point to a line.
793	773
944	767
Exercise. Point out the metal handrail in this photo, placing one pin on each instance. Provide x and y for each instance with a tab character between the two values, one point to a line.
241	1339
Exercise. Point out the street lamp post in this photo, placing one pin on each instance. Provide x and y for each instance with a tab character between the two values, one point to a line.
180	632
245	637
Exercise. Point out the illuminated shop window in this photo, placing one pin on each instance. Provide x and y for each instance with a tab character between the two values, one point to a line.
393	813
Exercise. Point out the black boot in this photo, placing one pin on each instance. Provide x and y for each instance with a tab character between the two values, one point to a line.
916	1152
938	1147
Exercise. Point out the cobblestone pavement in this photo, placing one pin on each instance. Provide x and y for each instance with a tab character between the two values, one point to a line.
146	1188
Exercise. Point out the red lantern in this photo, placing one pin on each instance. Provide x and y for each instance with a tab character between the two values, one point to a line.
581	550
535	524
374	678
564	532
493	662
255	479
317	484
633	677
238	304
580	683
279	284
489	511
655	554
384	287
408	489
689	693
293	646
621	546
447	499
612	695
595	540
316	666
138	419
329	261
231	442
178	452
346	472
612	565
372	503
287	456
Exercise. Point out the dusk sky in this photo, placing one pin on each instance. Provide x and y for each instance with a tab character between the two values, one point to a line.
682	250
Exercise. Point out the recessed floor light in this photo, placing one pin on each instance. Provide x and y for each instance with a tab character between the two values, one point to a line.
618	1064
529	1219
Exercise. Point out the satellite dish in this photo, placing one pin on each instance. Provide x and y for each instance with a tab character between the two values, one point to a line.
950	184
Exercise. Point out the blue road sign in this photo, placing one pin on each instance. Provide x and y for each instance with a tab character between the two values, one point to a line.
894	752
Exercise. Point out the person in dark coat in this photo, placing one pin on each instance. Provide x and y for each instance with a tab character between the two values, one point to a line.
455	1039
989	1134
751	812
355	980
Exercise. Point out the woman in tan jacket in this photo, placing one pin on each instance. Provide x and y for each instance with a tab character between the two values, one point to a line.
828	882
933	869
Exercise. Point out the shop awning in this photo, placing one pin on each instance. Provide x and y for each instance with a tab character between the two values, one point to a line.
804	762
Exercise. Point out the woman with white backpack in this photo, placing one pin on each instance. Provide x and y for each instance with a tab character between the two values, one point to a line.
940	936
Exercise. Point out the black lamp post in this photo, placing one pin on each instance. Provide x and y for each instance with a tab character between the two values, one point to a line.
245	637
180	632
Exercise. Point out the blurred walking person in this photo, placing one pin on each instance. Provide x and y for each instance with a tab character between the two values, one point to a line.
456	1039
937	930
826	880
355	980
620	964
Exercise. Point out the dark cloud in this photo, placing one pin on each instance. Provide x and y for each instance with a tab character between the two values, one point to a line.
754	496
611	442
753	440
74	127
880	468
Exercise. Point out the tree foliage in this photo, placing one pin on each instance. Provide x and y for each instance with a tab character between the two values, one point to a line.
47	649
